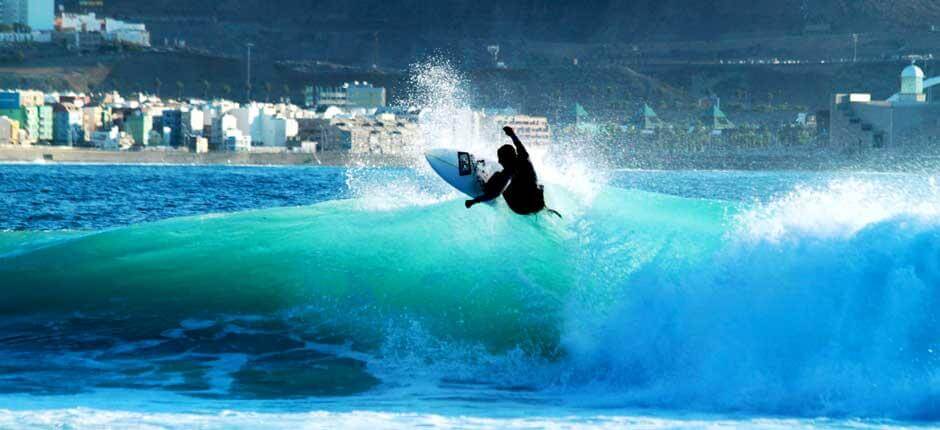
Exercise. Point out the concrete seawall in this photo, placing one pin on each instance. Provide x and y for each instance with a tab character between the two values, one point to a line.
76	155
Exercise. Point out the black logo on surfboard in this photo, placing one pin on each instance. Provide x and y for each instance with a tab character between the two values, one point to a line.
464	163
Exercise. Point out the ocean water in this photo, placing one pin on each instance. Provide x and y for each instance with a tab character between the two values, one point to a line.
306	297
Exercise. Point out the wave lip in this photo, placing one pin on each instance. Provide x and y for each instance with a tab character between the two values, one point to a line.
803	310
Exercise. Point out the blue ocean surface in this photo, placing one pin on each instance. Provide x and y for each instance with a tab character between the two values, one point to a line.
314	297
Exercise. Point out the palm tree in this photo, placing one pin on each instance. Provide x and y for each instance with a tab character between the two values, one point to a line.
267	91
157	83
179	90
206	86
287	92
227	90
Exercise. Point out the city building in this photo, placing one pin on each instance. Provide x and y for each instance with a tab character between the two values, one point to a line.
192	122
532	130
138	126
108	29
21	98
276	130
199	145
236	142
9	99
126	32
67	125
36	121
90	41
222	126
359	135
93	119
108	140
31	37
9	131
356	95
172	127
38	15
906	119
45	122
249	122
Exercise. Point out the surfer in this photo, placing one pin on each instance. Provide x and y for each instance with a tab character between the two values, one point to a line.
517	181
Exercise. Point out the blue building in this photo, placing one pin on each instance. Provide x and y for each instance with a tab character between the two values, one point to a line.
9	99
173	119
67	125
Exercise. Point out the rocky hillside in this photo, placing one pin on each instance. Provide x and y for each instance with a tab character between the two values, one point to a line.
553	20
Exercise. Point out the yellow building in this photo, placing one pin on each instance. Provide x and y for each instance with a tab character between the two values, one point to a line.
9	131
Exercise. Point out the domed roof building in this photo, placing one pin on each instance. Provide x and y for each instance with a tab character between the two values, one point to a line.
912	71
906	119
912	80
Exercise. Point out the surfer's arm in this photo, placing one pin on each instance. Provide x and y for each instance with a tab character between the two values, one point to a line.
493	188
520	150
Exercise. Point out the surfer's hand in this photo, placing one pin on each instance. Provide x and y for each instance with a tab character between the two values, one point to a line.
469	203
509	131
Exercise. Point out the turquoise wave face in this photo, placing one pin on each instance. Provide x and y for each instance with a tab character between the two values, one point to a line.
636	299
483	275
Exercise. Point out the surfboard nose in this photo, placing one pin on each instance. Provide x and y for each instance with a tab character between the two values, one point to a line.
440	153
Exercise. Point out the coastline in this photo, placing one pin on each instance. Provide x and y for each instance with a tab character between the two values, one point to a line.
880	162
67	155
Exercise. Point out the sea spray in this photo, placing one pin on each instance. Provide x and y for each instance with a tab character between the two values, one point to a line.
820	302
450	117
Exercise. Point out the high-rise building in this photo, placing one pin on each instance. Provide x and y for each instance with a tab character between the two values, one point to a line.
67	124
138	125
39	15
355	95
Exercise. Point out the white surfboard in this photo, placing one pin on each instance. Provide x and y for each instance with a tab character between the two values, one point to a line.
461	169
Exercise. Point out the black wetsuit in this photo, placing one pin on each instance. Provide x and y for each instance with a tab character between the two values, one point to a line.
523	195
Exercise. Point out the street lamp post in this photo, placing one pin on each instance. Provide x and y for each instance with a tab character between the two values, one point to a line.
854	47
248	46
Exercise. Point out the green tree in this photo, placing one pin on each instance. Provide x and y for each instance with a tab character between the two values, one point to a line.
267	91
206	86
227	90
287	92
179	89
157	83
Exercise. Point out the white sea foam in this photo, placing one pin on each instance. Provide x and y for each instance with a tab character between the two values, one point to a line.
90	418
